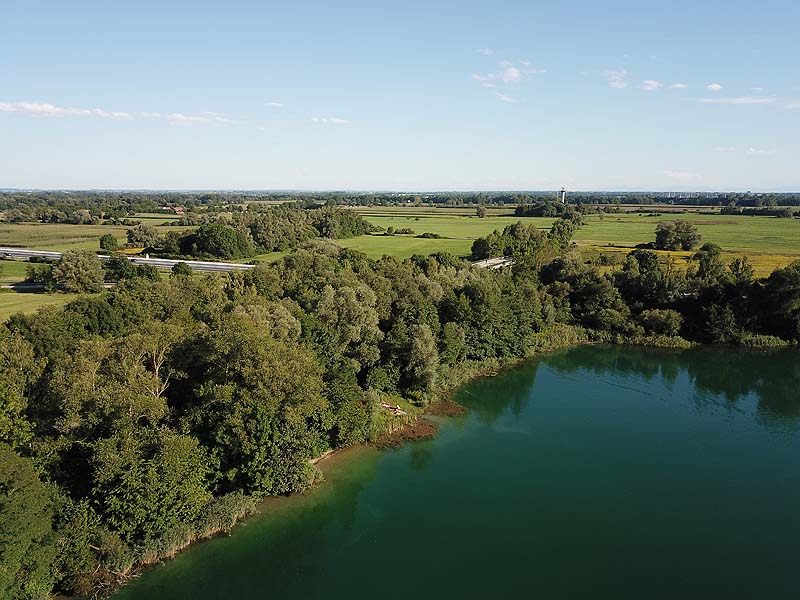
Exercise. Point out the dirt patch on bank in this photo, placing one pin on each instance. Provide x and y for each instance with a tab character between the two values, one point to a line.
421	429
445	408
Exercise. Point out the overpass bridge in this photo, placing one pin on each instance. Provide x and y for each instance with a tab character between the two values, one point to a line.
494	263
159	263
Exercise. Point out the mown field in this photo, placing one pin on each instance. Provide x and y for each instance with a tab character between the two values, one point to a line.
15	302
769	242
12	271
61	236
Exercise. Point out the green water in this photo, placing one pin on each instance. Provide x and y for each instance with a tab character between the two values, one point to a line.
600	472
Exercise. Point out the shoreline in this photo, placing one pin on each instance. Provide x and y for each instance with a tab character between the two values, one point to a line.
442	406
394	439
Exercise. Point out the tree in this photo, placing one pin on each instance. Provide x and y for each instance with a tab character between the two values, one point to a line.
181	269
19	369
677	235
28	544
143	236
742	271
780	301
480	211
711	269
661	322
687	235
148	482
108	243
79	271
423	360
41	274
350	314
218	240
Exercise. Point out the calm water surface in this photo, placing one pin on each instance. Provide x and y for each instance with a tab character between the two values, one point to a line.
600	472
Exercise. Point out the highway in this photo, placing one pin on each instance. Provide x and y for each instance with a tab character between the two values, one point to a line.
160	263
199	265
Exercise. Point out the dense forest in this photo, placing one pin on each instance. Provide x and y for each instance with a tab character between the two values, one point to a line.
160	411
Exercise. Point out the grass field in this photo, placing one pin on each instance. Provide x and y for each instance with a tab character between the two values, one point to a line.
769	242
14	302
12	271
60	237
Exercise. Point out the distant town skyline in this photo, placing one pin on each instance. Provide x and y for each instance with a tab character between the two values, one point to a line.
415	97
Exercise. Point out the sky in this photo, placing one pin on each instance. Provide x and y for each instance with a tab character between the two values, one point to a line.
407	95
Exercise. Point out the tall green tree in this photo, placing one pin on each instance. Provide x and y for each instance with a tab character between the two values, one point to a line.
28	544
19	370
79	271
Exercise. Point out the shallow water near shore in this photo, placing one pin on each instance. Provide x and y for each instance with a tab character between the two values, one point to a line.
602	471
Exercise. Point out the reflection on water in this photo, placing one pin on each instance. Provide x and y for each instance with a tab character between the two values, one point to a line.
716	376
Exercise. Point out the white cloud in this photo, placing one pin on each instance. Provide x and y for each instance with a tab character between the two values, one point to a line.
739	100
330	120
750	151
714	87
651	85
485	51
757	90
678	86
505	98
511	75
617	79
683	176
43	109
274	104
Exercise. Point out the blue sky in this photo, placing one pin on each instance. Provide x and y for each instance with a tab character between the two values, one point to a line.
400	95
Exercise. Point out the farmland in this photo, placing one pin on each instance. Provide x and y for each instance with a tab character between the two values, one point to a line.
769	242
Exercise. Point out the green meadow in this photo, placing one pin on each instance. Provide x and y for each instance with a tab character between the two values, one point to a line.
24	302
769	242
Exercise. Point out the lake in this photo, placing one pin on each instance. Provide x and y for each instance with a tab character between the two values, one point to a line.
599	471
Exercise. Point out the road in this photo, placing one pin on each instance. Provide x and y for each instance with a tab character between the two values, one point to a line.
160	263
201	265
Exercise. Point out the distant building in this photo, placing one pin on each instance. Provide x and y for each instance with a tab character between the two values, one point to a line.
562	195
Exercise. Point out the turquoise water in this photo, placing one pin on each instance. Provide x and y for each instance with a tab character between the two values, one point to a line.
601	472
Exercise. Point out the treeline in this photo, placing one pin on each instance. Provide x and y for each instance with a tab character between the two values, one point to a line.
710	302
92	207
775	210
194	207
245	233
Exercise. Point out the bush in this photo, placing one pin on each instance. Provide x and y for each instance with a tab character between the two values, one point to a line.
108	243
661	322
222	513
